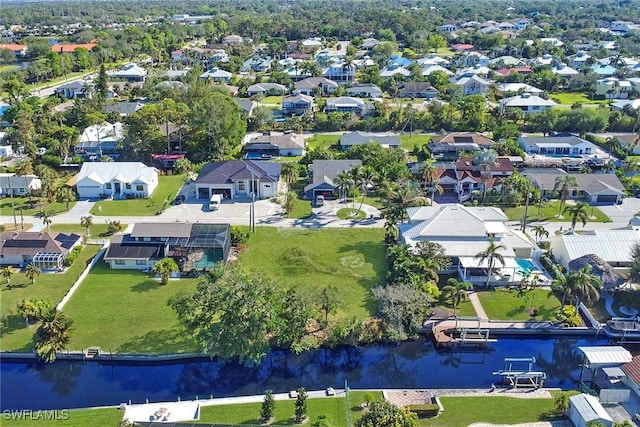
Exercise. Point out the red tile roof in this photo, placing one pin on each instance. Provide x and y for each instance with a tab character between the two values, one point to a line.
632	369
70	48
13	47
462	46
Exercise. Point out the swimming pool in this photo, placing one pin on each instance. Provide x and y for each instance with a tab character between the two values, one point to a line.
526	265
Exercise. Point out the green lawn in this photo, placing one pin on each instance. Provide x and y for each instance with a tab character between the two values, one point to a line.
104	417
548	211
570	98
301	209
415	141
462	411
505	304
125	311
95	231
351	259
9	68
333	408
465	309
33	208
322	140
166	191
53	286
271	100
376	202
350	213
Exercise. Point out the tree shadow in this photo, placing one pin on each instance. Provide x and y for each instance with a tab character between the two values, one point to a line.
12	286
147	285
14	323
158	342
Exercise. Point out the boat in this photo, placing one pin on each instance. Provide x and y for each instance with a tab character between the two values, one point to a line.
624	329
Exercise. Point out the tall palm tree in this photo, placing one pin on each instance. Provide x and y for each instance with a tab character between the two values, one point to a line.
486	159
46	219
344	183
67	195
53	334
405	195
456	292
290	172
86	222
32	272
578	212
491	254
584	285
613	144
540	232
564	183
428	174
561	285
6	273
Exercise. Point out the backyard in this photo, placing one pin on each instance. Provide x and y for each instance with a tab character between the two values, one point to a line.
505	304
548	211
52	286
125	311
168	187
310	260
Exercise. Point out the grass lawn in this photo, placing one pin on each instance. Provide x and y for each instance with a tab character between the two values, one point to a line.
166	191
351	259
105	417
548	212
505	304
125	311
28	209
411	142
376	202
570	98
53	286
301	209
322	140
249	413
463	411
8	68
350	213
95	231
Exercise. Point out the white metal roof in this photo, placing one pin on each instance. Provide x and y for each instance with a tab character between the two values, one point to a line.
614	371
495	227
553	144
589	407
602	356
610	245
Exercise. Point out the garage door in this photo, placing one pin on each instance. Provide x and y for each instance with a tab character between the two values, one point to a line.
606	198
328	194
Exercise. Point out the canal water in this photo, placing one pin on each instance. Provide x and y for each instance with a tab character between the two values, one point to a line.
418	364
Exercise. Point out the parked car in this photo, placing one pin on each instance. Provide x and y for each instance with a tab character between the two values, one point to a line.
179	199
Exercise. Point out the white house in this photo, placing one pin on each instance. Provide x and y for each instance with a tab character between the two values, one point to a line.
217	75
579	60
115	179
557	145
19	185
584	408
527	103
613	88
130	73
5	150
100	139
448	28
239	178
519	88
472	84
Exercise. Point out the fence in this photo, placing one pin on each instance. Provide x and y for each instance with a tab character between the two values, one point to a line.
84	274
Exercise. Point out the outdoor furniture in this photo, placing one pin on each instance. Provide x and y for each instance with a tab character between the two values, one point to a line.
331	391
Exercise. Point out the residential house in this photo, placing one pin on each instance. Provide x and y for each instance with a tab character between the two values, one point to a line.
71	48
448	28
311	44
18	185
322	174
217	75
166	161
194	246
470	178
429	69
396	71
506	61
246	105
19	50
507	88
266	89
123	108
463	47
348	104
340	72
613	88
99	140
77	89
267	146
369	43
603	70
624	26
297	104
359	138
46	251
365	90
562	145
594	188
232	39
418	90
521	24
552	41
629	141
527	103
239	178
464	232
520	69
433	59
632	379
471	84
579	60
630	104
564	70
476	58
452	143
5	150
476	69
546	59
310	85
257	63
116	180
506	26
129	73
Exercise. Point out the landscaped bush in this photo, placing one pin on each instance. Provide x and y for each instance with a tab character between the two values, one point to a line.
570	317
72	256
239	235
427	410
50	160
550	266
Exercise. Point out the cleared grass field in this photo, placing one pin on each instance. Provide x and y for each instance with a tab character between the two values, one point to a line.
415	141
95	231
505	304
52	286
168	187
570	98
33	207
322	141
351	259
548	211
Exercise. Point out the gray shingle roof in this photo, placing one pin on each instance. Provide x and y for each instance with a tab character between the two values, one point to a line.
231	170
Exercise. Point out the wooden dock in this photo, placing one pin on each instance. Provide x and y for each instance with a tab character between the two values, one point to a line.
448	337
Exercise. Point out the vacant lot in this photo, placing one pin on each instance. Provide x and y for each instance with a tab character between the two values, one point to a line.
415	141
353	260
548	211
162	196
321	140
98	229
570	98
52	286
127	312
505	304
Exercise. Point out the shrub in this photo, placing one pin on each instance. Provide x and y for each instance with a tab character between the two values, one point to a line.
239	235
570	317
72	256
550	266
113	227
51	160
427	410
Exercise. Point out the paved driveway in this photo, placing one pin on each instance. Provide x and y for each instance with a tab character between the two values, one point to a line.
621	214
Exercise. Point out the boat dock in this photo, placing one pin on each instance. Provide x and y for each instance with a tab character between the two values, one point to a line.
452	337
524	376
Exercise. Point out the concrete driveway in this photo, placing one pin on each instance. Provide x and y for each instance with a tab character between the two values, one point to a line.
621	214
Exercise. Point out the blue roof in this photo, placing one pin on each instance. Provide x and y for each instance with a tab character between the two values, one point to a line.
603	70
400	61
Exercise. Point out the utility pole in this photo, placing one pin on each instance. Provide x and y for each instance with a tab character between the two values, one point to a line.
526	208
13	206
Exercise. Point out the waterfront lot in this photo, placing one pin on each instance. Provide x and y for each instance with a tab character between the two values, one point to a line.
162	196
353	260
505	304
127	312
548	211
52	286
98	229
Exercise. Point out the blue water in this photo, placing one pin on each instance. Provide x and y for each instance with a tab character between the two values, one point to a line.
525	265
408	365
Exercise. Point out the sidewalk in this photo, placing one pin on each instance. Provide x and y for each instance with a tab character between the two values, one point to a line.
477	305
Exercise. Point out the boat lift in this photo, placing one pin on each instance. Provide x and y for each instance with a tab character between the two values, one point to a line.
521	377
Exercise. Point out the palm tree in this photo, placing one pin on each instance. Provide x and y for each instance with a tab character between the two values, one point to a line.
46	219
491	254
405	195
562	285
290	172
578	212
456	292
540	232
428	174
613	144
289	201
32	272
344	183
6	273
564	183
584	285
164	268
86	222
67	195
486	159
53	335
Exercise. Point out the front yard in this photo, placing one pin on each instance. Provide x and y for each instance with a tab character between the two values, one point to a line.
548	211
31	207
505	304
52	286
168	187
353	260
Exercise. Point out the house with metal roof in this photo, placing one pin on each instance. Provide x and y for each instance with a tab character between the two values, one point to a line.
297	104
585	409
217	75
266	89
348	104
464	232
194	246
359	138
451	144
117	180
322	174
527	103
364	91
99	140
564	145
471	84
601	374
130	73
47	251
309	86
239	178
